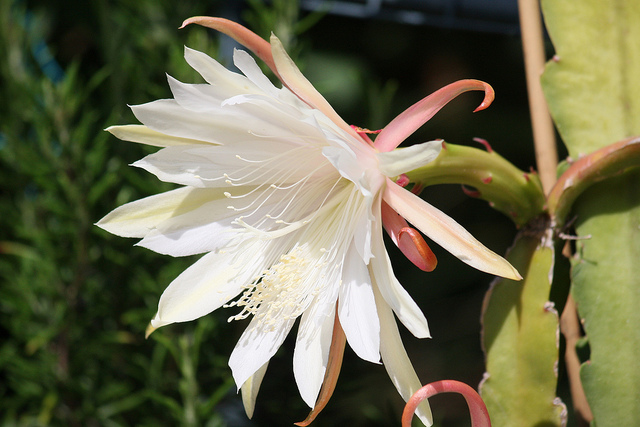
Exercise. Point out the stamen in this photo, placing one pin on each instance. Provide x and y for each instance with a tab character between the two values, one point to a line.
283	291
291	284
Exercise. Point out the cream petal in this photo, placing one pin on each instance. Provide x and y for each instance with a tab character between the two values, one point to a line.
272	119
213	99
367	221
275	105
357	308
143	135
187	221
396	162
298	84
395	358
180	165
345	162
362	235
250	390
392	291
355	162
168	117
209	283
138	218
256	346
311	353
214	73
218	125
248	162
191	240
200	98
257	118
250	68
294	119
209	227
446	232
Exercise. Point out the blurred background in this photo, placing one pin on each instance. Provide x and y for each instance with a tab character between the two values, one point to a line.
75	301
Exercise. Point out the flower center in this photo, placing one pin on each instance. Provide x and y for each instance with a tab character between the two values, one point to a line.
285	290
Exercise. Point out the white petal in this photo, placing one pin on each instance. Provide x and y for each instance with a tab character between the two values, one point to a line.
214	73
356	162
311	353
345	161
392	291
138	218
209	283
263	120
198	97
396	162
186	221
362	237
357	308
144	135
446	232
255	162
256	346
368	220
219	124
204	229
210	227
168	117
250	68
298	83
396	361
250	390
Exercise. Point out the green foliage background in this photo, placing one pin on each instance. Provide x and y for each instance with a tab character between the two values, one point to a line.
74	300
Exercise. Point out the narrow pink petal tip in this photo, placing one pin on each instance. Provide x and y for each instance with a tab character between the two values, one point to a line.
489	96
477	409
419	113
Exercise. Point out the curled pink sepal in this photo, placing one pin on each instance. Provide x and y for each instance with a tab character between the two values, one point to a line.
477	408
256	44
408	239
420	112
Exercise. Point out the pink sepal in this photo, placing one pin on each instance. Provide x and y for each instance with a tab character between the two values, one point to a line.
420	112
477	408
408	239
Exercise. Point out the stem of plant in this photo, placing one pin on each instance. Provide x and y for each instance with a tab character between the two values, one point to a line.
534	60
547	161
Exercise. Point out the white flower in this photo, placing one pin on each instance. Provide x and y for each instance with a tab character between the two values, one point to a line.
286	201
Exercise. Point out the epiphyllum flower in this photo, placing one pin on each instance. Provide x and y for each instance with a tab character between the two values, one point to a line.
287	203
